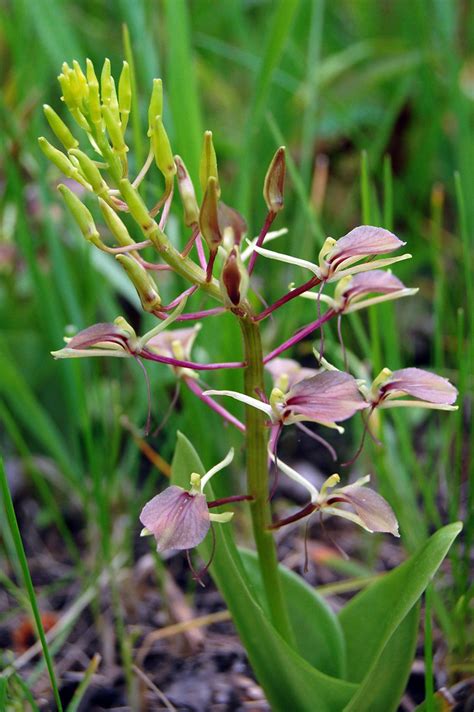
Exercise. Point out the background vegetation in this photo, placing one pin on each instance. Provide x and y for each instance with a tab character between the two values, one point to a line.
375	102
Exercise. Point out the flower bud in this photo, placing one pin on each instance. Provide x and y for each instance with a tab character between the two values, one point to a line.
156	105
137	207
162	149
143	283
115	225
274	183
60	161
59	128
107	89
90	171
234	279
208	216
82	216
208	165
186	191
124	95
115	130
95	112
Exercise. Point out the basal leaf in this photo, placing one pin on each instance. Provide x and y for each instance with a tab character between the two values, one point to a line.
319	637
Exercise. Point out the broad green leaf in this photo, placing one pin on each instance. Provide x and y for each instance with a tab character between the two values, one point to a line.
384	687
371	618
290	683
317	631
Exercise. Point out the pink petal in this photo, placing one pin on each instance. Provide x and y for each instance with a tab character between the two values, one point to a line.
177	519
421	384
365	240
161	344
374	511
279	367
96	334
328	397
378	280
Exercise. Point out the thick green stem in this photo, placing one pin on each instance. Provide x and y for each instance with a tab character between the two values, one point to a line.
257	480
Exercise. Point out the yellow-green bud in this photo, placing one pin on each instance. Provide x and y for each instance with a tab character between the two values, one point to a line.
59	128
234	279
90	172
115	131
208	165
186	191
95	111
124	95
82	216
106	82
141	280
208	216
115	225
136	206
61	161
162	149
156	105
275	182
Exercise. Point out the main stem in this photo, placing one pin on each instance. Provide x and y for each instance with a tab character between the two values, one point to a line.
257	481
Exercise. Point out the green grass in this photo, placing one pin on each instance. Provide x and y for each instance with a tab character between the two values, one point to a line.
384	92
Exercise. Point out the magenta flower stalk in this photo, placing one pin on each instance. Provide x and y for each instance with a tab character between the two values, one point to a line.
211	403
301	334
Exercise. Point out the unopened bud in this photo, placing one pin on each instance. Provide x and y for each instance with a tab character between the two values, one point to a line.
90	171
115	131
59	128
162	149
115	225
124	95
231	218
136	206
234	279
208	216
274	183
82	216
141	280
208	165
95	112
60	161
155	107
186	191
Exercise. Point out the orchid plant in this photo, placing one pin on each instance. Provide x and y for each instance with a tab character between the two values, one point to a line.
218	261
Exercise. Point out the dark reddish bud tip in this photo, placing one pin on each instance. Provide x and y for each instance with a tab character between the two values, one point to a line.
274	183
234	278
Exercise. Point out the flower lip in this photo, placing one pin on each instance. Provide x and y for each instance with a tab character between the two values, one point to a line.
363	241
328	397
99	334
162	344
378	280
177	519
420	384
287	372
372	509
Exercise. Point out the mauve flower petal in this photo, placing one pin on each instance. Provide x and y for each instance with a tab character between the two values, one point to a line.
329	397
161	344
421	384
98	333
364	241
378	280
177	519
288	367
374	511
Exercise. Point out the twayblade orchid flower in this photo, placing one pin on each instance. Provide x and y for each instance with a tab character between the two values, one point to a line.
339	258
371	511
177	344
180	519
428	390
327	398
351	290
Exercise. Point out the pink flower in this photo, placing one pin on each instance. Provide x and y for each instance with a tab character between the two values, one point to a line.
371	511
104	339
339	258
180	519
327	398
428	389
